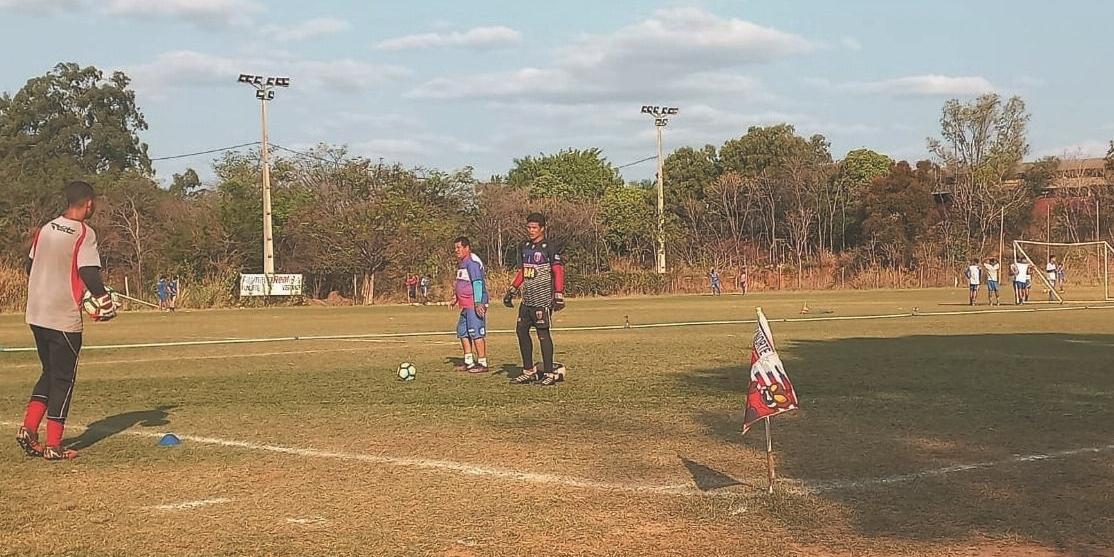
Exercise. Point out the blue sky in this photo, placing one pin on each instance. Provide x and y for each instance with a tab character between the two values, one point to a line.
445	84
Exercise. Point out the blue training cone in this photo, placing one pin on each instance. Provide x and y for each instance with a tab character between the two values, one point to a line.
169	440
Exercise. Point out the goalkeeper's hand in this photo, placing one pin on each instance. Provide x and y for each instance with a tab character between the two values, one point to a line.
558	301
106	307
508	300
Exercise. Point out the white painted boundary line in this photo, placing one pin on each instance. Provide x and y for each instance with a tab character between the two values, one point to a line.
463	468
584	328
687	490
188	505
842	485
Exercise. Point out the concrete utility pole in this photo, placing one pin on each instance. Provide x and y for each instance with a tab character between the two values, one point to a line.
659	113
265	91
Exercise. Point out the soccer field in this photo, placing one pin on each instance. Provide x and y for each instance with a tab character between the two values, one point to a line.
967	432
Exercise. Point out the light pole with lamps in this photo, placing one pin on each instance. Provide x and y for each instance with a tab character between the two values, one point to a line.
265	91
660	115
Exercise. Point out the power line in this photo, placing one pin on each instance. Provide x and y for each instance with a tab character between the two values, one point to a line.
304	154
206	152
636	162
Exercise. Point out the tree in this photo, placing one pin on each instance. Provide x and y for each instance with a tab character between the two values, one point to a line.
77	114
185	183
688	172
571	174
858	169
899	210
630	221
981	143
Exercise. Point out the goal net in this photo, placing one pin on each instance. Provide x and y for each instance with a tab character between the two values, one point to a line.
1066	272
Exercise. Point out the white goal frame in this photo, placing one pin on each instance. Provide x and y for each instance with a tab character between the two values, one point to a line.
1104	262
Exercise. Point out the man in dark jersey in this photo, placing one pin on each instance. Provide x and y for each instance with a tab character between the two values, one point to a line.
541	280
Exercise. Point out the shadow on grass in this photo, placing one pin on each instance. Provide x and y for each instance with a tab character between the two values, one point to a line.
707	478
113	425
874	408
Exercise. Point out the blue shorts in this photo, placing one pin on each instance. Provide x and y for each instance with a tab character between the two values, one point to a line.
470	325
992	285
1020	285
974	287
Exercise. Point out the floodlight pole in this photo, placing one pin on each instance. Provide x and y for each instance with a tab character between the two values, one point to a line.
659	113
264	91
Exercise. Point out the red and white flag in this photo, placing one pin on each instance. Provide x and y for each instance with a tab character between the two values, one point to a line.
770	392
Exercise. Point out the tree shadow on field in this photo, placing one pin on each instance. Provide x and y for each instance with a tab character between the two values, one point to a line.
874	409
113	425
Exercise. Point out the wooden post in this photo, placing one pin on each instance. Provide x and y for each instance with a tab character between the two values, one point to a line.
770	474
127	292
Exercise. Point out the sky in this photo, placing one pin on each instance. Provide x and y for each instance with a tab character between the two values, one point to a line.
446	84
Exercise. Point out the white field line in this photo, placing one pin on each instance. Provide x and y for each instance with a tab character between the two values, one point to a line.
584	328
188	505
463	468
86	363
842	485
685	489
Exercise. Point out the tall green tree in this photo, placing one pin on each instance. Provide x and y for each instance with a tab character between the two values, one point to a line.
981	143
899	211
571	174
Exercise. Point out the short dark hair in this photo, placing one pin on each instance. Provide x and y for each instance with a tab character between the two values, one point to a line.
463	240
78	192
536	218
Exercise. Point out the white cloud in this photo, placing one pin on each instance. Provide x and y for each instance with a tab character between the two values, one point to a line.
204	13
674	54
929	85
309	29
187	68
477	37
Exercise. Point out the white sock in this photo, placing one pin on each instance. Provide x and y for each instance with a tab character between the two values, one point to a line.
483	362
469	359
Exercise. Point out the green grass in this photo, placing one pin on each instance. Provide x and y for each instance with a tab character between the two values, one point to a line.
642	406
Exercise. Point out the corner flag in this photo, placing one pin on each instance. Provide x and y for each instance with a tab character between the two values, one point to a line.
770	393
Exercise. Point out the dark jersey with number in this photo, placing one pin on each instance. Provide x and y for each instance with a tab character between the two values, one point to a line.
539	278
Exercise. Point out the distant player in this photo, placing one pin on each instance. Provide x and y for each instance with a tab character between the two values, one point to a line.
717	288
162	291
470	293
1051	272
992	268
172	292
63	263
742	280
541	279
1019	270
974	279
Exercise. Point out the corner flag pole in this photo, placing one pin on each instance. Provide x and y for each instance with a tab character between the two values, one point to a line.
769	457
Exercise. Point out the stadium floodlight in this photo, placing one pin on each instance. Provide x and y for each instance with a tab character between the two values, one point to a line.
265	91
661	115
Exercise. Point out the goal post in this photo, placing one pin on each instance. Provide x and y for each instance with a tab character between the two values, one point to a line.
1102	251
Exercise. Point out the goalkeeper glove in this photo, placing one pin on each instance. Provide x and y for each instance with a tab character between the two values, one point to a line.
508	300
558	301
106	307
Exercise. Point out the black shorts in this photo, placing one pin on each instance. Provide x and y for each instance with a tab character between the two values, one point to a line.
533	316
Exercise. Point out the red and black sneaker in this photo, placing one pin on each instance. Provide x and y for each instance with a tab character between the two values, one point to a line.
59	453
477	368
462	366
555	377
29	442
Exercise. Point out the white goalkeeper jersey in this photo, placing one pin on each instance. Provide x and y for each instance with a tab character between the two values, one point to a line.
54	289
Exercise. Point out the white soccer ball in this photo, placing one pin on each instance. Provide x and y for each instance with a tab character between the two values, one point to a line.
407	371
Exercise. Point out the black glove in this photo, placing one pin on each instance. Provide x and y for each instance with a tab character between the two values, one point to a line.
558	301
508	300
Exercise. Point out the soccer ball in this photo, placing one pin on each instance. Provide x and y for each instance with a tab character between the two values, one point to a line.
89	304
407	371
